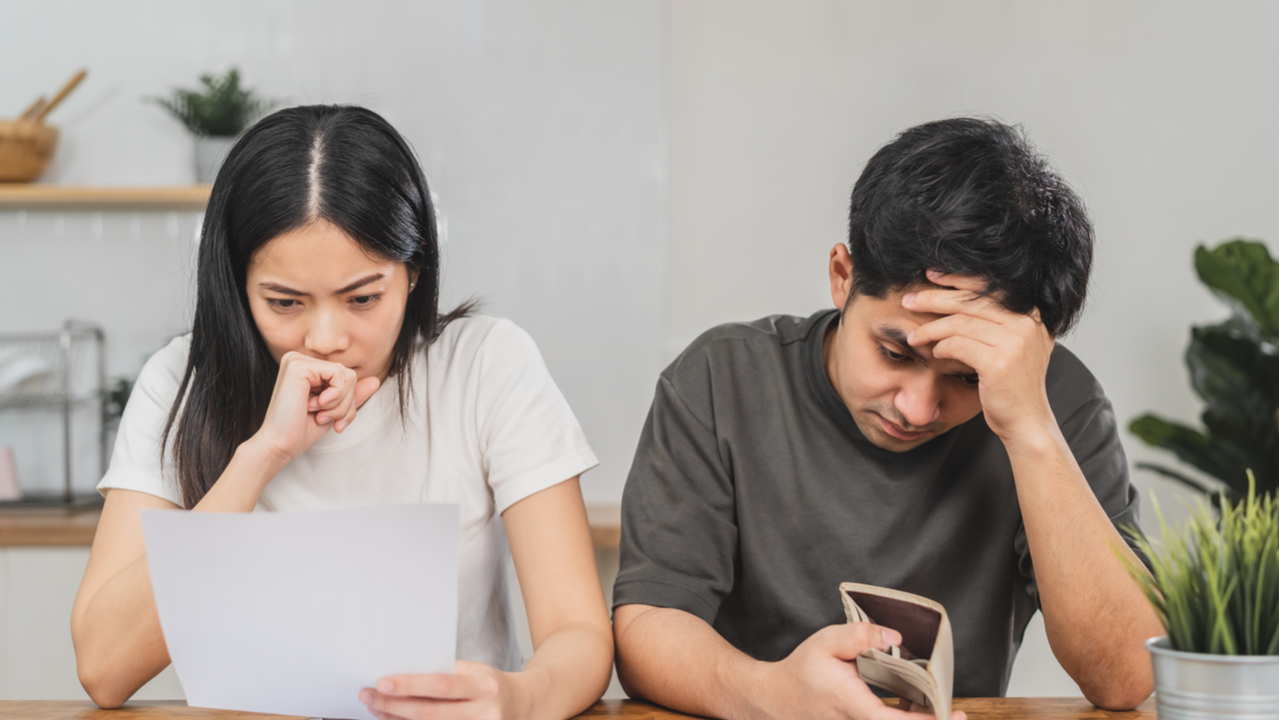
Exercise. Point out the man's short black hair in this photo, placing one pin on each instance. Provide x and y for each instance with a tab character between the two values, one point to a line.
971	196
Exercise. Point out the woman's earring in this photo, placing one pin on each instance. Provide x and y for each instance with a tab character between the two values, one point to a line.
411	285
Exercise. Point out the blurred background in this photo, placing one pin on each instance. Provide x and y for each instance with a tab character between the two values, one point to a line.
618	177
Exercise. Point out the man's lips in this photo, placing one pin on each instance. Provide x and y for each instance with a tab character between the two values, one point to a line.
896	431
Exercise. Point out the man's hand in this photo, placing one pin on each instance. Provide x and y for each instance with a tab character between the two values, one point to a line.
1009	351
819	679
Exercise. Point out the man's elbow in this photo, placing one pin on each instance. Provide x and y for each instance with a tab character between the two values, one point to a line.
1119	695
623	650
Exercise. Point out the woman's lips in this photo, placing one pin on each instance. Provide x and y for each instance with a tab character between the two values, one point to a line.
896	431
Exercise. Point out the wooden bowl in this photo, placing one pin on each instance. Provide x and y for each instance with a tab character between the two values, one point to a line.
25	149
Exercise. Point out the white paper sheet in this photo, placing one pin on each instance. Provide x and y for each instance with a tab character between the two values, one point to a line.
293	613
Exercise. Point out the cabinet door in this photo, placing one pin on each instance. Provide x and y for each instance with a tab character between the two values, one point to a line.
37	660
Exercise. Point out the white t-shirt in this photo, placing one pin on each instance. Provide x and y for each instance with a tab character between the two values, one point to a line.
499	430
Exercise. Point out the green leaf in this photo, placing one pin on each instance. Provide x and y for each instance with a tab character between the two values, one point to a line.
1213	584
1190	445
1243	273
1176	476
1231	373
220	108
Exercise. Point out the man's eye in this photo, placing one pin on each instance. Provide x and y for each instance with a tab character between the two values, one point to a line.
892	356
970	380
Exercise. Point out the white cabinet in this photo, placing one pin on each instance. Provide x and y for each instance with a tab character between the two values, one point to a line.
37	660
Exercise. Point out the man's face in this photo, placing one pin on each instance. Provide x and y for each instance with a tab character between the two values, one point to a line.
900	397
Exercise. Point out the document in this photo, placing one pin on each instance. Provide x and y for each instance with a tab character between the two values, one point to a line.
293	613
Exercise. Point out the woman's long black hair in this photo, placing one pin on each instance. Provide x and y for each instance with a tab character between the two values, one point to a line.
345	165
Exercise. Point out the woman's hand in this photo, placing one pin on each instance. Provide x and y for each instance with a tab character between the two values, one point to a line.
474	691
310	396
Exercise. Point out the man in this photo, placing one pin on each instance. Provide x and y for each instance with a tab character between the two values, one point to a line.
926	434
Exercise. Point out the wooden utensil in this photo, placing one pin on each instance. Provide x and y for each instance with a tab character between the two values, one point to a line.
31	111
66	89
27	144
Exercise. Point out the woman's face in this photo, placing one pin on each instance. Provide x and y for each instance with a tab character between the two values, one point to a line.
315	291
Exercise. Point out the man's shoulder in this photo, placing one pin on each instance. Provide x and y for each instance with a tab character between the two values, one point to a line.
742	341
1069	384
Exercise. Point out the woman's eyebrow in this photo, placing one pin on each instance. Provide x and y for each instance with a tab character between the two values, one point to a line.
360	282
290	291
280	289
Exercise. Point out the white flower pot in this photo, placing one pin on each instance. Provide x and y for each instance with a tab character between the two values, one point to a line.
210	152
1199	686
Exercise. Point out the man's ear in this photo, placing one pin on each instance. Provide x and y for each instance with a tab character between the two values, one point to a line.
840	271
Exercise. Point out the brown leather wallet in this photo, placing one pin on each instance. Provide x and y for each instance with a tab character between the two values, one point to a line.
922	667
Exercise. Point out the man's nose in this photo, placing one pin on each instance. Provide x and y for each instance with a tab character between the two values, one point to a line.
919	400
326	334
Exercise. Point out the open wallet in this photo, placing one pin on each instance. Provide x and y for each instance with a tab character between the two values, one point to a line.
921	668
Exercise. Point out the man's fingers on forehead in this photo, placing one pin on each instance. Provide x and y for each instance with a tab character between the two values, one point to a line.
947	302
971	283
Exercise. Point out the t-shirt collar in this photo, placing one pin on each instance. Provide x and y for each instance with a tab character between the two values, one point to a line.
815	330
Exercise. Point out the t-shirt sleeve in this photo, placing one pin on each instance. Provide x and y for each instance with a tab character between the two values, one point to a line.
135	460
529	438
679	535
1091	433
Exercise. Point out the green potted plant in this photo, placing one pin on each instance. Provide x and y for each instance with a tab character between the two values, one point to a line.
1216	587
216	115
1233	368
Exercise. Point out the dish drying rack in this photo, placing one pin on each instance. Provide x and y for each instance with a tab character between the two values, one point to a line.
65	372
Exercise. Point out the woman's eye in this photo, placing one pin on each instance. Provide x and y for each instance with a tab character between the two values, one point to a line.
281	304
970	380
364	300
892	356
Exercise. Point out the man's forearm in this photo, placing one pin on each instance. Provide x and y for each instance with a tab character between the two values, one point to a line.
1096	618
675	659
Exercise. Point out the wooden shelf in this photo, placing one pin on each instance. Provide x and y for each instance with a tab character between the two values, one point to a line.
15	196
57	528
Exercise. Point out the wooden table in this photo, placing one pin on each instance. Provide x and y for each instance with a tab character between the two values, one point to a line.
976	708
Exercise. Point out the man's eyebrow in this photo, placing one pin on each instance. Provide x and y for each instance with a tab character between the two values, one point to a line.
896	335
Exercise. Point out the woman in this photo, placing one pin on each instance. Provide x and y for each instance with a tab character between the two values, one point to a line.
319	373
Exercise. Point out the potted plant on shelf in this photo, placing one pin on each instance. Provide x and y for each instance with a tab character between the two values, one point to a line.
1233	369
1215	588
216	114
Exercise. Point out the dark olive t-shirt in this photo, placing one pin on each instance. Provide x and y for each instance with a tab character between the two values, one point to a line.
753	495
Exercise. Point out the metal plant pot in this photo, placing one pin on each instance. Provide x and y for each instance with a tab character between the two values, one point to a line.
1199	686
210	152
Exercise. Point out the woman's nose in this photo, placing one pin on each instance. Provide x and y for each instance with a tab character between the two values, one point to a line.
326	334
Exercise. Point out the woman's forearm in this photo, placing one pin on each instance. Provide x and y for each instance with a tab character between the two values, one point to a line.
242	483
115	628
568	672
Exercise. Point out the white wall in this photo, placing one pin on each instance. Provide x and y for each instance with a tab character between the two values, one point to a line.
618	177
540	126
1163	115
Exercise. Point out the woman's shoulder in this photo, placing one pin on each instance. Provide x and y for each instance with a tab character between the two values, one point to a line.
468	338
162	372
